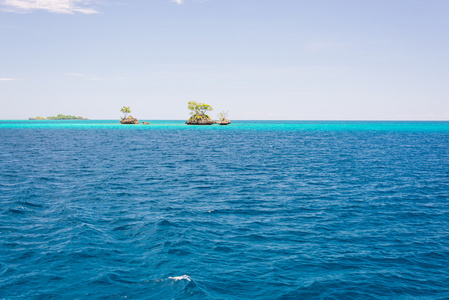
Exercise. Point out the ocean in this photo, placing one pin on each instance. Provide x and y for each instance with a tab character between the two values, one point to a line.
253	210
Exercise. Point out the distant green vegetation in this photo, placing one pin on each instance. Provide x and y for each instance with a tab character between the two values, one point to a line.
198	109
65	117
60	117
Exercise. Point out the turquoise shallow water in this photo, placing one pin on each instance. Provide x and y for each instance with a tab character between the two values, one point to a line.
262	210
238	125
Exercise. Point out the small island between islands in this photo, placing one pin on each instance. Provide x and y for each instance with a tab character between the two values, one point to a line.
59	117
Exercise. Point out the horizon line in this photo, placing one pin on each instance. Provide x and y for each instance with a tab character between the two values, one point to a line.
306	120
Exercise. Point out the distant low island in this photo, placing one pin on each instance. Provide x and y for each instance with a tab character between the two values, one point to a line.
60	117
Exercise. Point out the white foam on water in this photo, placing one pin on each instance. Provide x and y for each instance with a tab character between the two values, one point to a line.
181	278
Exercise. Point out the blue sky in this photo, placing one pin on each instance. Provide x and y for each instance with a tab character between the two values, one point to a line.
257	59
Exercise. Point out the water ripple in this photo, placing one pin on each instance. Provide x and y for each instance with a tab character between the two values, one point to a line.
262	210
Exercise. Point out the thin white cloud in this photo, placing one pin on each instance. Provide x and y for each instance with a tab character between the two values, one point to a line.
7	79
54	6
77	74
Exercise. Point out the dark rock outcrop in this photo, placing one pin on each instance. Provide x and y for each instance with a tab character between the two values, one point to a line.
129	120
145	123
199	119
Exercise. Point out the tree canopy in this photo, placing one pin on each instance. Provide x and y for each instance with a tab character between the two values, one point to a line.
126	110
198	108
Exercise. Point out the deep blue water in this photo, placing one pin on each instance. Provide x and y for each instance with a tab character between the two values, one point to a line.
254	210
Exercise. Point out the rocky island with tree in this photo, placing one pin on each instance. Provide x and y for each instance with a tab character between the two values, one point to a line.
59	117
127	119
223	118
198	114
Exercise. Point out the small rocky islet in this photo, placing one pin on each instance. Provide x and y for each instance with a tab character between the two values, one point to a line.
200	119
224	122
129	120
206	120
198	115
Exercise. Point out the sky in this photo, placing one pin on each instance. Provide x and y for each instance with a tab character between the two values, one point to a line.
256	59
